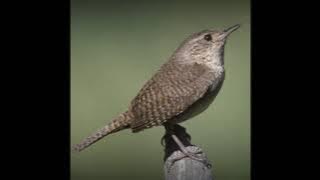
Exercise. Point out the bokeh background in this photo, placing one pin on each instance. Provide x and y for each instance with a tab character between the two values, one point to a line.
115	48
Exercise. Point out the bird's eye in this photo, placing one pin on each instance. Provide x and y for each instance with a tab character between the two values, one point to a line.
208	37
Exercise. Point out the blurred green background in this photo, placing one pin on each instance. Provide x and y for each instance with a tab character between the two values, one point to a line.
115	48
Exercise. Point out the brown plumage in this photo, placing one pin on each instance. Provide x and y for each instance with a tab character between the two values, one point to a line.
169	93
182	88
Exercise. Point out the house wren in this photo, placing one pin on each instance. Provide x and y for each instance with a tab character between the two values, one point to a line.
182	88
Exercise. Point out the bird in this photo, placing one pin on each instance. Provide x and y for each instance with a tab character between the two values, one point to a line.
183	87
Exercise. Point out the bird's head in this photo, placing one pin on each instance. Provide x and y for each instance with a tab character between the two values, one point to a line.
206	45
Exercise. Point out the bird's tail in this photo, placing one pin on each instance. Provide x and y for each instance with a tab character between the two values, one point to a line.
119	123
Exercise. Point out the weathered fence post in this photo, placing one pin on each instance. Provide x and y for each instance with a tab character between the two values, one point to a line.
178	166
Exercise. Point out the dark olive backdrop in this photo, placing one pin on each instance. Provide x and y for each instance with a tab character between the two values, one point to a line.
116	46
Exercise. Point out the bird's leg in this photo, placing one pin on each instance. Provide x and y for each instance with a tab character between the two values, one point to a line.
173	131
189	154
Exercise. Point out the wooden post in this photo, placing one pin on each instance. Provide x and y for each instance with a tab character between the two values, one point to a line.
178	166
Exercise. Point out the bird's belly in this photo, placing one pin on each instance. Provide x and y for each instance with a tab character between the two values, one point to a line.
199	106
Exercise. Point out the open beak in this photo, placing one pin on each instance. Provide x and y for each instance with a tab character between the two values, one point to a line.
229	30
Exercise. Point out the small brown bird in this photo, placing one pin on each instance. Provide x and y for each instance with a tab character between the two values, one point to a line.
182	88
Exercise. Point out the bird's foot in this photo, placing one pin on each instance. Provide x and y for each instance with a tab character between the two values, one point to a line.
195	157
191	155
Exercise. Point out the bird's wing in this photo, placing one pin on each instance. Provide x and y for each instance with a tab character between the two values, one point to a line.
168	93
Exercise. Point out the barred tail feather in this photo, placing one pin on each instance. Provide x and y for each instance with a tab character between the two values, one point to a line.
117	124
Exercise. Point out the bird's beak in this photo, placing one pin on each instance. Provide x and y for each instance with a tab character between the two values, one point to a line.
229	30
